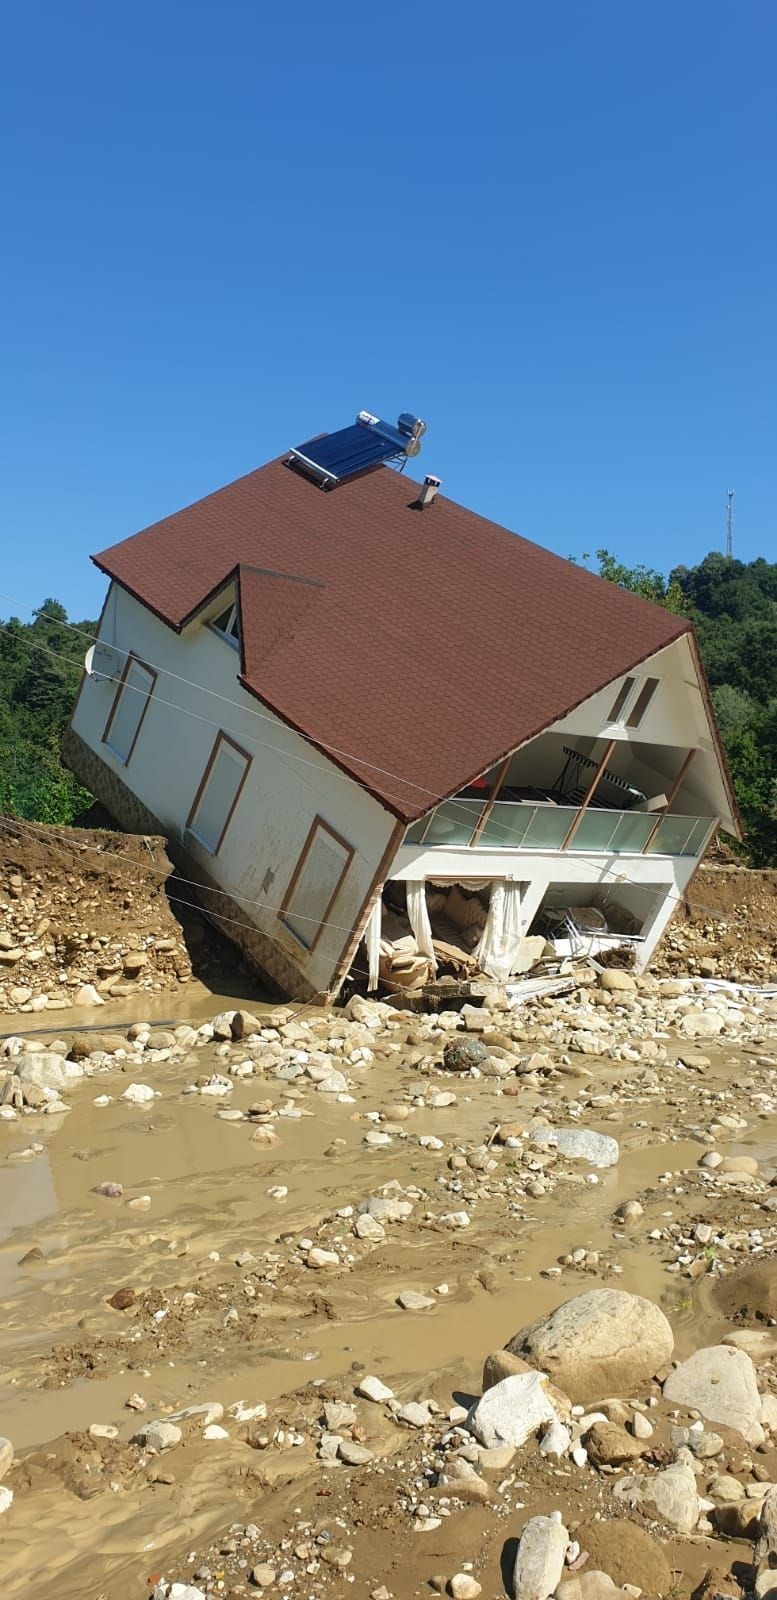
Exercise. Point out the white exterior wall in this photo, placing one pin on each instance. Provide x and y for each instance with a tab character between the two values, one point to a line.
289	783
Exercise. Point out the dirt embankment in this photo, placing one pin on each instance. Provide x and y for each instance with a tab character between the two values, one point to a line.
725	927
83	907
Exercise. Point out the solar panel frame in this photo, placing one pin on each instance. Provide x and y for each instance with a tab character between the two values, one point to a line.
340	455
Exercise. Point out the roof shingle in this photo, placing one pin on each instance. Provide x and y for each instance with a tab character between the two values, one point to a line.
427	645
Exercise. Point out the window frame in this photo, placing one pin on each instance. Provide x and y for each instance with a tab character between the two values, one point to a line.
625	704
646	687
223	633
220	739
132	660
318	825
621	701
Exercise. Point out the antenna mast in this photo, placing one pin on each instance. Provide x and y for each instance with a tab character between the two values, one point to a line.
730	525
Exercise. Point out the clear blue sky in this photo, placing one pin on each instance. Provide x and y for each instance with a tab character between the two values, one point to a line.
546	226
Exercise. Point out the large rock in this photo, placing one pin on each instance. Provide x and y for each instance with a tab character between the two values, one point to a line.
539	1564
720	1382
670	1495
609	1445
462	1053
244	1023
48	1070
601	1343
766	1547
626	1552
511	1411
617	981
501	1364
578	1144
92	1044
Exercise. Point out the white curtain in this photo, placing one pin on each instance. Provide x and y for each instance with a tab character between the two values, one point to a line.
372	941
418	916
502	936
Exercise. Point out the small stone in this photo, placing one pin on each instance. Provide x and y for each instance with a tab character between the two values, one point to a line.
640	1427
123	1299
462	1586
158	1435
6	1499
320	1259
138	1094
353	1454
103	1430
263	1575
411	1300
369	1228
6	1455
373	1389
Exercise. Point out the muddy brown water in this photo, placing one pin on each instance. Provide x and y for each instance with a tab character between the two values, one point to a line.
207	1184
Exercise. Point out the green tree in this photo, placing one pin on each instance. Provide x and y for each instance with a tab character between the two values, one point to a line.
40	670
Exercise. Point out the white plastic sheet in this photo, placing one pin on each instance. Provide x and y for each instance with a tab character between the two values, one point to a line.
418	916
372	941
502	936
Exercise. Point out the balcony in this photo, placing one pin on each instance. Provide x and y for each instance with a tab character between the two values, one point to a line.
521	825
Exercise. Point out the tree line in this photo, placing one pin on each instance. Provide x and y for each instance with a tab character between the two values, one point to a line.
733	605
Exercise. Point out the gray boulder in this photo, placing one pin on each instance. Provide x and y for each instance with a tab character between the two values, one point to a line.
720	1382
604	1342
670	1495
511	1411
48	1071
578	1144
539	1564
462	1053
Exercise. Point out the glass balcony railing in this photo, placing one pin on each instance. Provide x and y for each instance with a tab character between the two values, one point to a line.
512	825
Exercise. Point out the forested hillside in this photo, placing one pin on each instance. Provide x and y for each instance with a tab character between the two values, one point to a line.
40	670
733	605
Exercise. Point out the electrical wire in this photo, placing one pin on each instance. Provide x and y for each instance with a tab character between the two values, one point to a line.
263	744
34	829
494	824
238	705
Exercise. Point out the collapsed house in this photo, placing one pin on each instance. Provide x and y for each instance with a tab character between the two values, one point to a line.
386	737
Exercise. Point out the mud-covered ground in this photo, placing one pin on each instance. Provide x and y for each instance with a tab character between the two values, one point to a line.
234	1267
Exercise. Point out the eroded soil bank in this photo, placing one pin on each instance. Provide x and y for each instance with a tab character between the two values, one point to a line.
247	1276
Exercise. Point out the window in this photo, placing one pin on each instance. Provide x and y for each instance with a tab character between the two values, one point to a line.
646	693
315	883
632	701
129	708
218	793
226	623
620	700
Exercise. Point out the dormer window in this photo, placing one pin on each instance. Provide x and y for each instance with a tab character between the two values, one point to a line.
226	624
632	701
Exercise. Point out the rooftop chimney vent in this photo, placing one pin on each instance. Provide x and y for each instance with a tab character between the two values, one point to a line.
429	491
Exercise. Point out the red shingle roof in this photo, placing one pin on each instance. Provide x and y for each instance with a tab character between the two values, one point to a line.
429	643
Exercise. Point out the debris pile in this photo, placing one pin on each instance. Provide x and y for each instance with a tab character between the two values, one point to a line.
84	918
